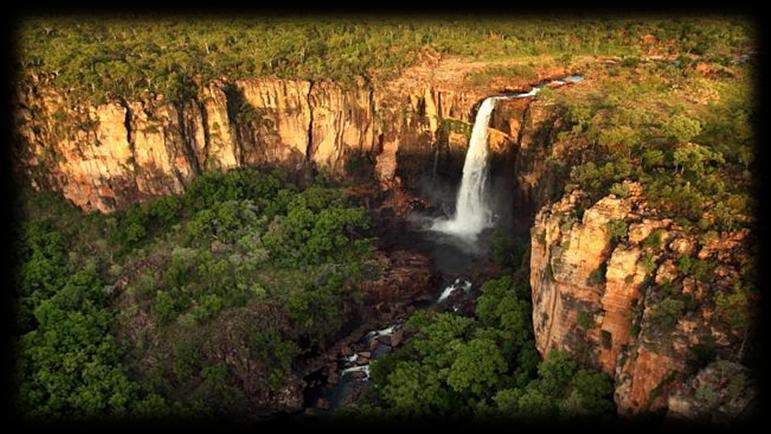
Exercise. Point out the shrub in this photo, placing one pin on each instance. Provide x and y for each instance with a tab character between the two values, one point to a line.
619	190
165	308
584	319
734	307
597	277
654	239
681	128
667	313
697	268
617	230
630	62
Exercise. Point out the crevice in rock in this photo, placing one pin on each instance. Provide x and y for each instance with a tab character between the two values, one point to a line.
187	148
522	125
130	137
233	100
127	123
206	139
309	145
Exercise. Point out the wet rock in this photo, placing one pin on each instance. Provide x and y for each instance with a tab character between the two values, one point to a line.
383	349
396	338
322	404
333	377
359	375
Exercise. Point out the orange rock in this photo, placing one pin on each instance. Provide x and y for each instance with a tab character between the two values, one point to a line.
646	373
649	39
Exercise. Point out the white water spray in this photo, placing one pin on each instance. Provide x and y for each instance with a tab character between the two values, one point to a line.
458	284
472	214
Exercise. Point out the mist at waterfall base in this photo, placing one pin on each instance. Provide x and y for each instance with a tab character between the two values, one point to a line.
474	207
480	203
472	213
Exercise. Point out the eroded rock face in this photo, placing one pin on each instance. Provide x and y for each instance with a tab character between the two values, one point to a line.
108	156
565	265
720	393
407	277
625	305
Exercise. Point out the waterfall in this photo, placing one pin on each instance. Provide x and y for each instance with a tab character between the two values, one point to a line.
472	214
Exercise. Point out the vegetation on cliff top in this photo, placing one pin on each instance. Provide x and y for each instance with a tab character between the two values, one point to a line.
685	137
100	59
247	263
682	130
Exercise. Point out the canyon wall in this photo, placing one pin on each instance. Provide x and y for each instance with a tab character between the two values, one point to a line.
104	157
610	287
614	283
605	299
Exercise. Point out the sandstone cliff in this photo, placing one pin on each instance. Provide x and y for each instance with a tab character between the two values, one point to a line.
107	156
610	287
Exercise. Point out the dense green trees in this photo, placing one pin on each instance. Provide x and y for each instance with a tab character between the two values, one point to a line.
129	58
242	258
69	363
485	366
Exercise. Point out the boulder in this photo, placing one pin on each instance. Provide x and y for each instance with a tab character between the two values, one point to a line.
322	404
396	338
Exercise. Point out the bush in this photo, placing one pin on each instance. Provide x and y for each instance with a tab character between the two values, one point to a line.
584	320
617	230
630	62
667	313
654	239
165	308
697	268
681	128
597	277
734	308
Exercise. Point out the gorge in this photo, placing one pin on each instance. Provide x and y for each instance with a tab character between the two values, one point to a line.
295	241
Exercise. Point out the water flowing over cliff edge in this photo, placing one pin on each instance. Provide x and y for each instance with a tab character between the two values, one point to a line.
589	290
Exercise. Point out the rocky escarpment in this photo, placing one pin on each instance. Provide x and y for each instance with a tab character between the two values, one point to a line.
104	157
618	287
111	155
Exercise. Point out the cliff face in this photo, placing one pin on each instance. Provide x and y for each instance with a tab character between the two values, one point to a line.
622	304
105	157
618	303
108	156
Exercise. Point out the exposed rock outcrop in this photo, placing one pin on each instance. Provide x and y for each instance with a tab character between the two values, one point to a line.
104	157
609	286
407	278
720	393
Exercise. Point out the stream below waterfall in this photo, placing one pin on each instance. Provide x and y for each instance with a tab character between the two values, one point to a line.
458	246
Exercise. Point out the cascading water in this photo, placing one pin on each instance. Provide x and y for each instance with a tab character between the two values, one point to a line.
472	213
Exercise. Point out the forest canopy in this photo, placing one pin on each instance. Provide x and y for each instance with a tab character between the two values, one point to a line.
101	59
